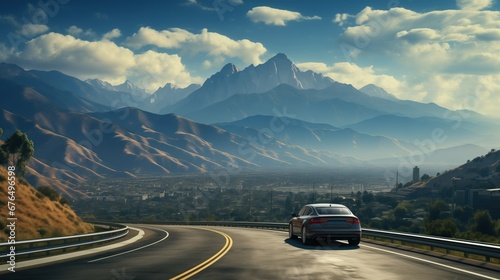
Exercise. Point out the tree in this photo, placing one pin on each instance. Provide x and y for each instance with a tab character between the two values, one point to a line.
49	192
368	197
483	223
436	209
3	154
400	212
425	177
442	227
19	150
463	214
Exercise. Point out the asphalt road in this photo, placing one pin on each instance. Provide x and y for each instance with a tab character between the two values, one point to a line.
178	252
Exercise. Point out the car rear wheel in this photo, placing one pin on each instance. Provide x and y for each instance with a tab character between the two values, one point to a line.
354	241
305	240
290	232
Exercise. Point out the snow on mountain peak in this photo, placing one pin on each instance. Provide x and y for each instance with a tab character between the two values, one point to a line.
376	91
101	84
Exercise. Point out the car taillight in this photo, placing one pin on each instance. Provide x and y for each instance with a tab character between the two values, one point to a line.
318	221
353	221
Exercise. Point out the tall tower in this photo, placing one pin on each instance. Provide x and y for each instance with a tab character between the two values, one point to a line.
416	174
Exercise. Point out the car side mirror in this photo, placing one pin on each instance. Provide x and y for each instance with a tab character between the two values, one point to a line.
294	215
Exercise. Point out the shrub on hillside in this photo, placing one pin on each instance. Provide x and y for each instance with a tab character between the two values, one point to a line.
49	192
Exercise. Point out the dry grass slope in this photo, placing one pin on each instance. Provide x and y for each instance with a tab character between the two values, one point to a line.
37	215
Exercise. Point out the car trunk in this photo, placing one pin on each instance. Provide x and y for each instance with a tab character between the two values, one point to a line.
335	222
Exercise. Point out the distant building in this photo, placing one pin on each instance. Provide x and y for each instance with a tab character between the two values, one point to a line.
481	199
416	174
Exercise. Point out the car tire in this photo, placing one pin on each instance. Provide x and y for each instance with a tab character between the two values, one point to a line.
305	240
354	241
290	232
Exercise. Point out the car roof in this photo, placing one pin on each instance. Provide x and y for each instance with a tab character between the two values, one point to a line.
326	205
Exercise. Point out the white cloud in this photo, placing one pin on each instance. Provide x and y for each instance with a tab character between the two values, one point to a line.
417	35
169	39
213	44
433	51
272	16
25	28
318	67
350	73
341	19
30	30
76	57
161	68
103	60
79	32
474	5
75	30
469	91
12	20
115	33
5	52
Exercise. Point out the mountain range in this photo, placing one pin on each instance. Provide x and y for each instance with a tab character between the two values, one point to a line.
264	116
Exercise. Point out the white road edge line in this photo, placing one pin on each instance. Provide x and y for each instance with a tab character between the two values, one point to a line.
133	250
29	263
431	262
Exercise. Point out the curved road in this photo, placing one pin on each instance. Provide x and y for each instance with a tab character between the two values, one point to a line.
181	252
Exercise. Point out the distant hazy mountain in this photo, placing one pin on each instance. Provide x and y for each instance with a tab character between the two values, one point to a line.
30	93
441	157
128	87
424	129
134	90
319	136
253	79
277	123
47	81
477	170
166	96
316	106
375	91
101	84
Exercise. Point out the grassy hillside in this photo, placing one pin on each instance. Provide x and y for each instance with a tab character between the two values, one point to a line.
480	172
37	215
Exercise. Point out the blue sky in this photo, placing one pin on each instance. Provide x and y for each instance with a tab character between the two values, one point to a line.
447	52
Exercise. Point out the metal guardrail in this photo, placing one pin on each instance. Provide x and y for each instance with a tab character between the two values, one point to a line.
486	250
48	245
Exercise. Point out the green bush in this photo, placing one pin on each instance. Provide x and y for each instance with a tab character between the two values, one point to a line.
49	192
441	227
63	201
42	231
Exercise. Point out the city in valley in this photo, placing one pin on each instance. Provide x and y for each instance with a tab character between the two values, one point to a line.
222	196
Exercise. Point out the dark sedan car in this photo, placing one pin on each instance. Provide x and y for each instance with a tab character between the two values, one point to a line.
334	221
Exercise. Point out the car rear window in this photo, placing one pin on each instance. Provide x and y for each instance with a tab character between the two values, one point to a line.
332	211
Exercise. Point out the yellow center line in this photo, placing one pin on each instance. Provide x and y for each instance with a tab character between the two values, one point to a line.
202	266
